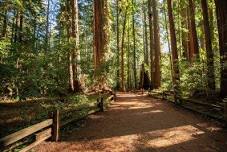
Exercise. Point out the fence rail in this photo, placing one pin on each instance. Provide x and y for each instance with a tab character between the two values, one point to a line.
168	95
48	128
12	138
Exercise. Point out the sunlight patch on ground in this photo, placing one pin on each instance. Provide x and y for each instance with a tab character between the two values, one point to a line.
153	111
141	107
209	128
154	139
173	136
131	103
158	138
128	95
134	100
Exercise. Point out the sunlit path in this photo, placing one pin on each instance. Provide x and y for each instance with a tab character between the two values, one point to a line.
139	123
62	61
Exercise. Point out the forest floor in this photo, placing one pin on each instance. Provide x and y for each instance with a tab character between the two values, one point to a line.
140	123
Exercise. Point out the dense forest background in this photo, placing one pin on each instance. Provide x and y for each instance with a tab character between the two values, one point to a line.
52	47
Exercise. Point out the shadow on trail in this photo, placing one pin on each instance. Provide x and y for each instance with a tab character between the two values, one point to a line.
139	123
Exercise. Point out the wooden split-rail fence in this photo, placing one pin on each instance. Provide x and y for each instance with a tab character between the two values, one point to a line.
47	129
166	95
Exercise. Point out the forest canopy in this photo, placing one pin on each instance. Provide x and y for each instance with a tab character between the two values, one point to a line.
50	47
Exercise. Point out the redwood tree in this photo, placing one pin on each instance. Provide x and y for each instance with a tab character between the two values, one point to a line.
157	74
184	24
145	36
176	73
122	53
101	37
221	9
151	44
209	51
47	25
134	47
194	46
118	46
75	39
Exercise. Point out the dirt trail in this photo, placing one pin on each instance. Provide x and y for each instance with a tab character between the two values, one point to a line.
136	123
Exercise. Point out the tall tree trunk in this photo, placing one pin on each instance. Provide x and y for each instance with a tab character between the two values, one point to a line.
168	42
122	54
13	27
128	59
194	46
157	74
176	73
75	51
19	38
183	32
211	23
151	43
202	36
118	47
101	38
16	29
134	48
178	28
221	9
70	61
189	54
145	35
209	50
21	22
47	25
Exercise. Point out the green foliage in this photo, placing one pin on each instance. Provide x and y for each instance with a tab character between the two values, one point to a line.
4	48
42	74
166	72
193	78
27	69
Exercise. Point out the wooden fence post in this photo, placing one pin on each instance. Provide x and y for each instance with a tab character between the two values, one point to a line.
55	127
225	110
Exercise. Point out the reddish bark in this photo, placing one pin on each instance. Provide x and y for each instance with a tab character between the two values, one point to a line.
194	46
221	9
176	73
209	51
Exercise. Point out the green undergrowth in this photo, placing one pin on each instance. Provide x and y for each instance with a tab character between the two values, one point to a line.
18	115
